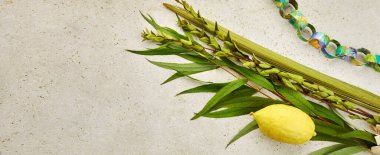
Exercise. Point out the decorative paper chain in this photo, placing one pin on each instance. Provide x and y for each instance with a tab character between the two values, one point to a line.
321	40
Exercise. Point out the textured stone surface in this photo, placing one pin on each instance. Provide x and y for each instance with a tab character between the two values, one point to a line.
67	87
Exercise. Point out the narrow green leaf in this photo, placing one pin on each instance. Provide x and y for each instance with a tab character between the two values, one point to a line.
328	114
209	88
187	67
248	128
331	132
360	135
174	49
325	130
336	128
256	78
249	74
241	92
324	137
248	102
329	149
219	95
349	150
230	112
194	58
296	99
164	30
183	74
178	75
172	78
166	49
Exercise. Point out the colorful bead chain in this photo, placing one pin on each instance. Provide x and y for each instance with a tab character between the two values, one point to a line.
320	40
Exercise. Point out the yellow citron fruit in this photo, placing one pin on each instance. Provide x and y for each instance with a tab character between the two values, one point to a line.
285	124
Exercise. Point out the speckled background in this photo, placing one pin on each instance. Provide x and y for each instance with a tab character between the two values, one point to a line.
67	87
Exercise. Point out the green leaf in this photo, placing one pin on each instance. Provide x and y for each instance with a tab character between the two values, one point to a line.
328	114
326	130
296	99
241	92
187	67
331	132
336	128
329	149
178	75
220	95
174	49
324	137
248	128
194	58
248	102
163	30
183	74
173	77
249	74
349	150
377	118
230	112
166	49
256	78
360	135
209	88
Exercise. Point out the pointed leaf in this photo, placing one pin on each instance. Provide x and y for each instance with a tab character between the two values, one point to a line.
331	132
219	95
360	135
166	49
178	75
212	88
241	92
230	112
194	58
248	102
324	137
329	128
329	149
248	128
326	130
256	78
187	67
174	49
327	113
249	74
163	30
296	99
349	150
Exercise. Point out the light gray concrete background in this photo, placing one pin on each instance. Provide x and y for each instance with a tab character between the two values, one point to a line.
67	87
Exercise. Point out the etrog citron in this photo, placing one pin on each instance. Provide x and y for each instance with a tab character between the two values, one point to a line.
285	124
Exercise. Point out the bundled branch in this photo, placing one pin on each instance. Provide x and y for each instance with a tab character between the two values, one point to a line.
255	71
294	81
349	92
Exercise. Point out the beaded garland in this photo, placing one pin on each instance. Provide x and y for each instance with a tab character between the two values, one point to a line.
321	40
